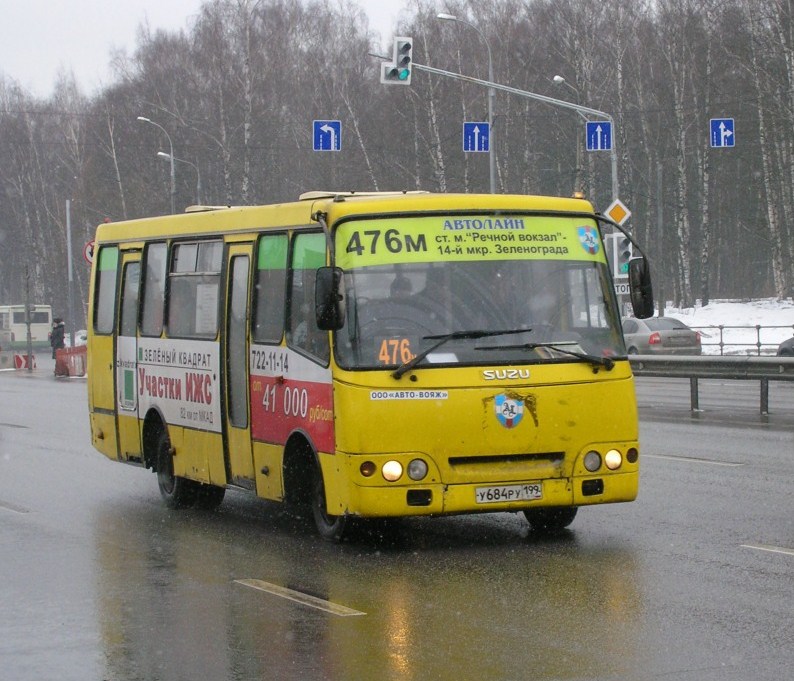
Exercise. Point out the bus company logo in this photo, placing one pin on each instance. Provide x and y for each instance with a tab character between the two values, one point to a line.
509	411
588	237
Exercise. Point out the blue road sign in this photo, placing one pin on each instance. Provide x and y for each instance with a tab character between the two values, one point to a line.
598	135
476	136
722	132
327	135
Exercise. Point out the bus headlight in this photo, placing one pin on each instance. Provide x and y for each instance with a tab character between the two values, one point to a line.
592	461
417	469
613	459
392	470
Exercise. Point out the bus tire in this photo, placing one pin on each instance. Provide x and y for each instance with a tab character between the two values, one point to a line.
177	492
549	520
330	527
209	497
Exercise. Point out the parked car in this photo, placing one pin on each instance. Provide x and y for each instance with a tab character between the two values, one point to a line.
660	336
80	338
786	348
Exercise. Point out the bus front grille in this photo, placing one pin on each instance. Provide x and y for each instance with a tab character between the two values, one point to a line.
506	467
554	458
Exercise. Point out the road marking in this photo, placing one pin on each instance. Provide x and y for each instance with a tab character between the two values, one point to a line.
13	507
298	597
12	425
772	549
692	459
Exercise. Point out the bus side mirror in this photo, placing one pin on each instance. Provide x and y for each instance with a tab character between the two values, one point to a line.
640	287
329	299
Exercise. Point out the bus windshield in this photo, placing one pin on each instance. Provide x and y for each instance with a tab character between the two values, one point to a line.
505	289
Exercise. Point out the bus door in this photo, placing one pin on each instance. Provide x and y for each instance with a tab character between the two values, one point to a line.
237	424
101	393
126	357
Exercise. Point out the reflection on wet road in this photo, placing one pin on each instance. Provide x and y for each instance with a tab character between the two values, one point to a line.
98	580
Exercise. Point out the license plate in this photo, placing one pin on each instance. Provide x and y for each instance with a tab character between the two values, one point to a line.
502	493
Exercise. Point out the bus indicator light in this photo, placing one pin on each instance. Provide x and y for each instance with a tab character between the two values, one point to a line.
417	469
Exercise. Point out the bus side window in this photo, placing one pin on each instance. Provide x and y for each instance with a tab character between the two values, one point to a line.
193	290
105	293
308	253
129	299
269	288
153	289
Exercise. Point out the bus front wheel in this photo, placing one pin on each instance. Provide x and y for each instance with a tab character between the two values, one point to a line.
209	497
176	491
331	527
549	520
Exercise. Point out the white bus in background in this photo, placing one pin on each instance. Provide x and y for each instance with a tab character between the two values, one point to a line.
13	318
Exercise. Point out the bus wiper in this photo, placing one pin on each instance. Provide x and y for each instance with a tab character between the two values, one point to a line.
595	360
443	338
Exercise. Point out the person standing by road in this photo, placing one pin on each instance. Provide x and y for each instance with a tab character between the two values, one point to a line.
57	335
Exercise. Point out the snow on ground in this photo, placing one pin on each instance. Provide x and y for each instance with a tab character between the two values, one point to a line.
739	320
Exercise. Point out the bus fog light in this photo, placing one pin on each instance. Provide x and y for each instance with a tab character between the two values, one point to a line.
417	469
592	461
632	455
392	470
613	459
367	469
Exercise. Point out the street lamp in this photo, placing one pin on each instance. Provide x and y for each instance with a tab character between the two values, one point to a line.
171	146
559	80
171	158
491	94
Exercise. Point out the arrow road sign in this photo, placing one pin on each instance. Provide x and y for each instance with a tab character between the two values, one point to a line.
722	133
327	135
476	136
598	135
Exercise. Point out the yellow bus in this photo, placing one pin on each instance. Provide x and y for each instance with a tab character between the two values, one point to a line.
370	355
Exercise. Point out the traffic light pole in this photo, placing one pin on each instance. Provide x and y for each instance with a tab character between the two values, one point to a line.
541	98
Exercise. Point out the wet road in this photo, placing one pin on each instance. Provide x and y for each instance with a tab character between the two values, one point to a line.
98	580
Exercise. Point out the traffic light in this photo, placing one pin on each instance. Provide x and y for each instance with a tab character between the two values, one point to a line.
398	71
624	253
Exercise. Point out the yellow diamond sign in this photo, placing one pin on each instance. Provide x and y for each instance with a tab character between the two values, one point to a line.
618	212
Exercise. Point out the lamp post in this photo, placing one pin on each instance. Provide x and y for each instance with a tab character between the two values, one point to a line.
171	158
559	80
70	278
491	94
171	147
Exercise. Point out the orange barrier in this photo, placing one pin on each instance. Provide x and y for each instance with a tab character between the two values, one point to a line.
21	361
70	361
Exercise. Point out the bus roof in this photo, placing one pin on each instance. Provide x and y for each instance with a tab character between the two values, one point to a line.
197	220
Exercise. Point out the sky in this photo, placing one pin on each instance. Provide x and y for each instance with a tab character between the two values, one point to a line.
42	38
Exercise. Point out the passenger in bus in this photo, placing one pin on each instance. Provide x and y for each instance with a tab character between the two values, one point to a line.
401	288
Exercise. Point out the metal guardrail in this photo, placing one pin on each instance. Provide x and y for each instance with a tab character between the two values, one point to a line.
763	369
726	334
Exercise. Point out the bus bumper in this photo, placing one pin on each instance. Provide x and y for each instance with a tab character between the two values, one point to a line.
438	499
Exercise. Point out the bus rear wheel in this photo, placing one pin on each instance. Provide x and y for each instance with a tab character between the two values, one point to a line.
550	520
330	527
176	491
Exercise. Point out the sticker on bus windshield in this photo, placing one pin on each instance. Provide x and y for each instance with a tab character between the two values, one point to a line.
588	237
460	238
